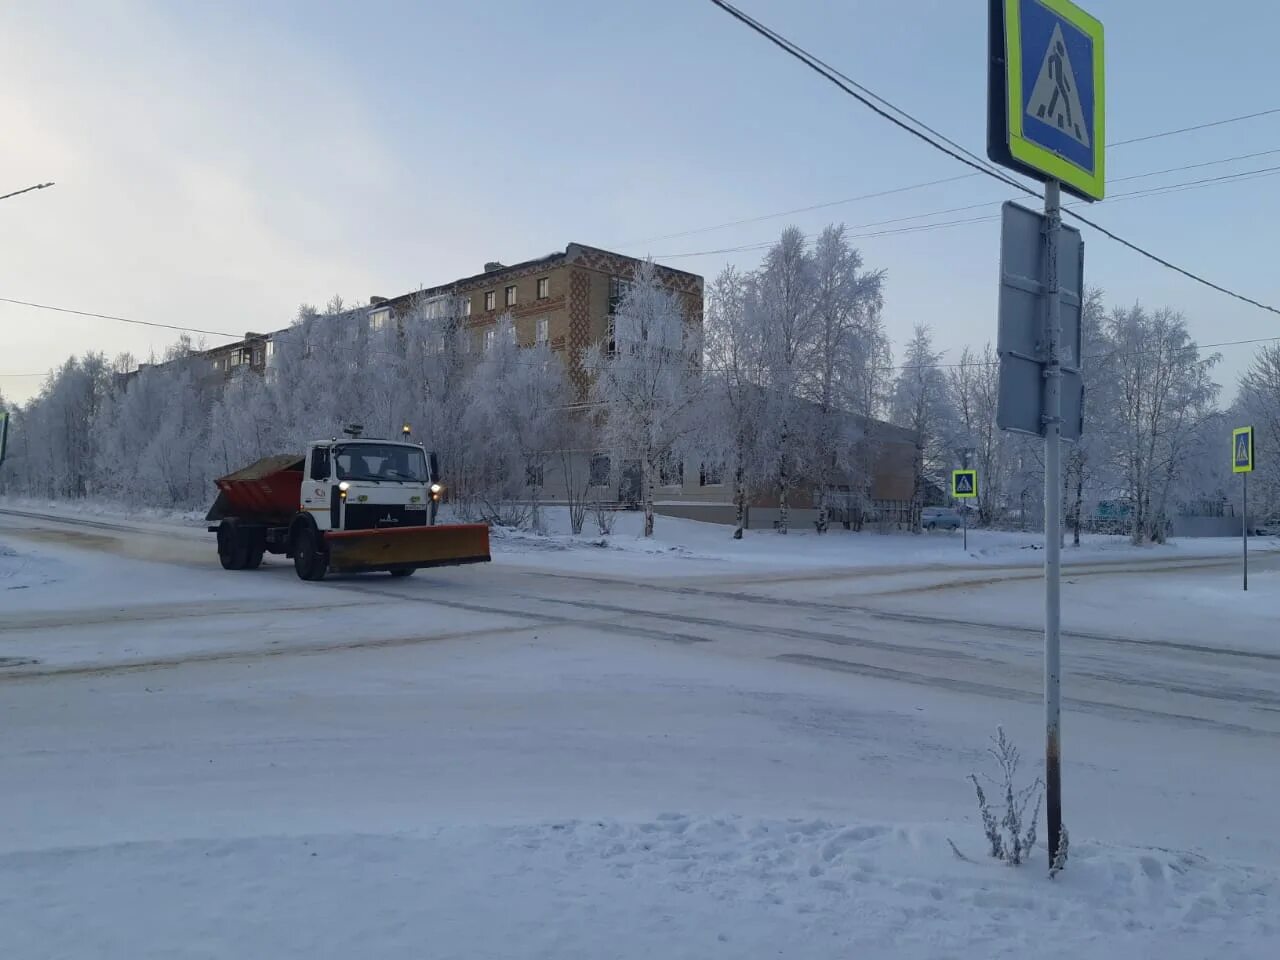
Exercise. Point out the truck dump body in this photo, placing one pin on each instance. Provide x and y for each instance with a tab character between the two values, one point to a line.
267	490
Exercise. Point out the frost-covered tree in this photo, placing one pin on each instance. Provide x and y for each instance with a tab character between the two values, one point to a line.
846	302
973	395
53	436
735	395
520	399
920	405
782	299
1164	394
650	385
1087	463
1258	405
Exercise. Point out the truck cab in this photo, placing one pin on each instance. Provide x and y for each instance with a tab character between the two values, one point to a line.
362	484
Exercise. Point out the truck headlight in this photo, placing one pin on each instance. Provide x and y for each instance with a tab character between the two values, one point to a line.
437	489
343	487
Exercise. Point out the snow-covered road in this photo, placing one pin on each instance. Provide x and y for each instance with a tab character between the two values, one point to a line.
530	758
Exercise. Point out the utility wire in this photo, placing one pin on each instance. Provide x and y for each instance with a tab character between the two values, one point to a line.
1115	198
141	323
1198	126
38	186
967	157
933	183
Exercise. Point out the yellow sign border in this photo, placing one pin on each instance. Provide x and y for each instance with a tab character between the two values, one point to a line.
964	496
1246	431
1032	154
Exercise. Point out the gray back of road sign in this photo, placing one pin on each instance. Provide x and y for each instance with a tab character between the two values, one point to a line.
1022	335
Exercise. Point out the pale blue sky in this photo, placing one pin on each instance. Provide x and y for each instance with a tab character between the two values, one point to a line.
219	164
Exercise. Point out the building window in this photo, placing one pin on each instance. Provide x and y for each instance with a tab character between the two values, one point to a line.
533	475
466	306
491	300
544	287
257	357
511	295
618	288
601	467
542	332
490	338
711	474
671	472
378	319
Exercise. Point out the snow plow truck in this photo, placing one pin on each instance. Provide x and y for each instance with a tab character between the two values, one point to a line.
346	506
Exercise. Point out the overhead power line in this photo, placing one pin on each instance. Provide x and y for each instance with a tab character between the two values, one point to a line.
1131	195
1198	126
953	149
141	323
38	186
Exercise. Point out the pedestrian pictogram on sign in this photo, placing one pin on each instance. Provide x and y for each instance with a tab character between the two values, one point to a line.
1242	450
1045	93
1055	99
964	484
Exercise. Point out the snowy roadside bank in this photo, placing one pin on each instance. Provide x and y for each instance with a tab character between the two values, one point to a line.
689	547
672	887
684	545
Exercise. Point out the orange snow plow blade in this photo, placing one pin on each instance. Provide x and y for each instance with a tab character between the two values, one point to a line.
406	548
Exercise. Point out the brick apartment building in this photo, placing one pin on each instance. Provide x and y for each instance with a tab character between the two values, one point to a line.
566	300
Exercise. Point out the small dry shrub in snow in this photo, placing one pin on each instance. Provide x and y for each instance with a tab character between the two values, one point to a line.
1010	832
604	517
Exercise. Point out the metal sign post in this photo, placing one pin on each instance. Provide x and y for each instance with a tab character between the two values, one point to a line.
1242	457
964	486
1052	521
1045	109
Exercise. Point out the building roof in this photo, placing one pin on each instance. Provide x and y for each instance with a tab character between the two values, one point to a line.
570	254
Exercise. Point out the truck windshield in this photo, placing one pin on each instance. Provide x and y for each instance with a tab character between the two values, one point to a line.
392	462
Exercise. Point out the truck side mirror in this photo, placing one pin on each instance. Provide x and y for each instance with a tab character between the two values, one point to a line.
433	464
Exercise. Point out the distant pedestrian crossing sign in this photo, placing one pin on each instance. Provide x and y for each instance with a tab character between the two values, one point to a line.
1242	450
1046	93
964	484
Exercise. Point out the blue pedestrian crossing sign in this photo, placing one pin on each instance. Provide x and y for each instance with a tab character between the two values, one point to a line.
1242	450
1046	103
964	484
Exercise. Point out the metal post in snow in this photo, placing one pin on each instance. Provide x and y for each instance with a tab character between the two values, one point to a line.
1052	519
1244	528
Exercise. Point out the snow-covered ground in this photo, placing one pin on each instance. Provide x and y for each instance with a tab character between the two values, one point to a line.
709	547
546	758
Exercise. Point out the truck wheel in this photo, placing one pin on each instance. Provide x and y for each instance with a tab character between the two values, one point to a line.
310	561
233	547
253	559
402	573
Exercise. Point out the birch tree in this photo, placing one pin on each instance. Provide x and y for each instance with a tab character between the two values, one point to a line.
783	298
845	299
1164	393
1259	405
650	385
919	405
735	361
973	395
